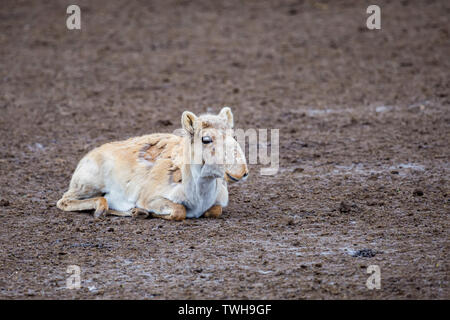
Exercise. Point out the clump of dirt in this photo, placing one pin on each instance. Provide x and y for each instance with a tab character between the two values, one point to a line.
365	253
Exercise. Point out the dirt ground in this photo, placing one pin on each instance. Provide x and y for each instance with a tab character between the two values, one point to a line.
364	147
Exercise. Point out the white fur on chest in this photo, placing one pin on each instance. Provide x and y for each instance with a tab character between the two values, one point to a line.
200	197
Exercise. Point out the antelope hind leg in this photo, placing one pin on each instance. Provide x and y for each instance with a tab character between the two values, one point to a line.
99	204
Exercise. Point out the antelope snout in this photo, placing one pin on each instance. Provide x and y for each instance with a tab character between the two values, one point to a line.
234	177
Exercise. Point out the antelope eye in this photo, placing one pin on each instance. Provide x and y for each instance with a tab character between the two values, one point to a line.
206	139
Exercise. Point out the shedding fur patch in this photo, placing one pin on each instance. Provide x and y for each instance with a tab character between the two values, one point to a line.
156	150
149	154
175	174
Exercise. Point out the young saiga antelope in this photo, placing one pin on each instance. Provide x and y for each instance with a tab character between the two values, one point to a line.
162	175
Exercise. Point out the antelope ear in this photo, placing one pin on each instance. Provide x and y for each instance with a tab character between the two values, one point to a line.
227	114
187	121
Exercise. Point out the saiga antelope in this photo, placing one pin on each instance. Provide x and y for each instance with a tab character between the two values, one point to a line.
157	174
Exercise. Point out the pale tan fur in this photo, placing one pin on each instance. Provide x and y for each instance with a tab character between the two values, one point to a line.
154	174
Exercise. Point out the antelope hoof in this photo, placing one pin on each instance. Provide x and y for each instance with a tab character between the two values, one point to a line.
213	212
102	208
138	213
100	213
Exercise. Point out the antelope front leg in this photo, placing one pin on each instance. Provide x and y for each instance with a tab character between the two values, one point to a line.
213	212
166	209
221	201
135	213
